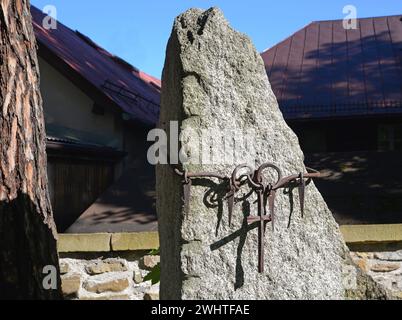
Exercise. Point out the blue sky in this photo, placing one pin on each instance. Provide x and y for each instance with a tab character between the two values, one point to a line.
138	30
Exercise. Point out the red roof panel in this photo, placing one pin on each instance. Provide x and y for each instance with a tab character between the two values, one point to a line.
134	91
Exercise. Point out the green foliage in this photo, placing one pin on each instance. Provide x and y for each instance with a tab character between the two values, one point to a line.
154	252
155	274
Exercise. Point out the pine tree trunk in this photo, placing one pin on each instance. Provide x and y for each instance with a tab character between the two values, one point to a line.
27	230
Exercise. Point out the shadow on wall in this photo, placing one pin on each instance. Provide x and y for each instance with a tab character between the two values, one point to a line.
214	198
363	187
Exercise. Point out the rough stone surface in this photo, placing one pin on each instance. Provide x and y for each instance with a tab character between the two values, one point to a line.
215	79
134	241
389	256
70	285
113	285
148	262
383	268
357	235
64	268
96	242
365	255
100	267
137	277
362	264
366	289
108	297
151	295
83	284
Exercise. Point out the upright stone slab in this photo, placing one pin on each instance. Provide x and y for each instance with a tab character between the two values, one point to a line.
215	79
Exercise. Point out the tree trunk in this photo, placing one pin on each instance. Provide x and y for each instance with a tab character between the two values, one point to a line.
27	230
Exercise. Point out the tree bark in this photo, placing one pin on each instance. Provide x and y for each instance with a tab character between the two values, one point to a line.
27	230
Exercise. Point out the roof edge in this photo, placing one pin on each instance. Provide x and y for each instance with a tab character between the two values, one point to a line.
289	37
363	18
327	20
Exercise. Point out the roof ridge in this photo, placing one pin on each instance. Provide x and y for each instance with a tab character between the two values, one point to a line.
335	81
278	43
101	50
327	20
362	18
91	65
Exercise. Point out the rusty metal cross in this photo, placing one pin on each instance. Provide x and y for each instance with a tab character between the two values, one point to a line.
263	218
266	194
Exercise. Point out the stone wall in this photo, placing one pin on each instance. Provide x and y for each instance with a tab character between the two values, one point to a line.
111	276
384	267
113	266
108	266
120	276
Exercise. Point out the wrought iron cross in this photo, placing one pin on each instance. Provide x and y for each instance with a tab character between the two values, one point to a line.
263	192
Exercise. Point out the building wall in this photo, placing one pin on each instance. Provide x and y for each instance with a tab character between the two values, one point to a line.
344	135
68	112
129	204
78	183
74	184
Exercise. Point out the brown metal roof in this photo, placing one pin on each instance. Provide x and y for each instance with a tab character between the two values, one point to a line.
324	70
116	81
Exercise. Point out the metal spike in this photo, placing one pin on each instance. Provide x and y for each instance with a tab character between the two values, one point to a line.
271	203
230	207
302	187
